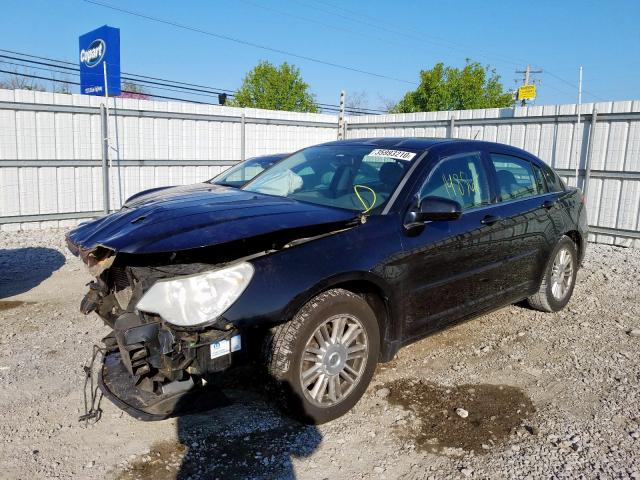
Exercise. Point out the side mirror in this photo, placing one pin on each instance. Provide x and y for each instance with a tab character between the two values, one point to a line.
433	209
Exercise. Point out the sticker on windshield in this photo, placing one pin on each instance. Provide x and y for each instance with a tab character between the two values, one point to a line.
397	154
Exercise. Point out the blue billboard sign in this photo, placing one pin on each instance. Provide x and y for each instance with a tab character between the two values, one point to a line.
97	48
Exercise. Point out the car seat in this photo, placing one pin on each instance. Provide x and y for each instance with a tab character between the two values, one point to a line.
508	184
390	174
342	181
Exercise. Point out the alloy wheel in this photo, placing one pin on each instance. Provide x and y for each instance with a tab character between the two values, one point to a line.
561	274
333	360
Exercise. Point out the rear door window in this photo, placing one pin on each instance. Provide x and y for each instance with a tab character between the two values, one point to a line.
462	178
553	180
515	177
540	181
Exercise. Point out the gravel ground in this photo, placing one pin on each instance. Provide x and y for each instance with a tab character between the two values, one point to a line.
512	394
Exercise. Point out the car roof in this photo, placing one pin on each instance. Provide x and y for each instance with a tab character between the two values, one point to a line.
425	143
413	143
269	156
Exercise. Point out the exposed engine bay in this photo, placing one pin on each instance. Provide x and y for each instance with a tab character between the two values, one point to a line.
160	359
149	363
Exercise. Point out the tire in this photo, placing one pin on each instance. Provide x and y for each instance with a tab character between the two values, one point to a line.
550	296
284	353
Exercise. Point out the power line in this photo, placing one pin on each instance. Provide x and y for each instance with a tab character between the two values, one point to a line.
71	68
39	77
158	83
138	83
383	24
354	108
68	70
247	43
325	24
324	106
575	85
75	67
440	42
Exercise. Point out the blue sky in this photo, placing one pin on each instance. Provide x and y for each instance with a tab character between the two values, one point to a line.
391	38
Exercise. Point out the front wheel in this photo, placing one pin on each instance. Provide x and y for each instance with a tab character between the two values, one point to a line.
325	357
559	278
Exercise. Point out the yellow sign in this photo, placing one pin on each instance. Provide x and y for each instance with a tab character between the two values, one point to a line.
527	92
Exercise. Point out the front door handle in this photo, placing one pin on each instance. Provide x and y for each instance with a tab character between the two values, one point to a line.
548	204
489	220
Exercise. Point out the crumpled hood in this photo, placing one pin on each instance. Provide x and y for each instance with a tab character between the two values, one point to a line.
200	215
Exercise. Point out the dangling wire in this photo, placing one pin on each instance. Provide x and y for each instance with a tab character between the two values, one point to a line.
92	410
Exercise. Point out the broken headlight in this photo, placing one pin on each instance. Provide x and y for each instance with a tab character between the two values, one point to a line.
197	299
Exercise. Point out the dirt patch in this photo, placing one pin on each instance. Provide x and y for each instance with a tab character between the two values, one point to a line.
161	463
257	454
490	413
9	304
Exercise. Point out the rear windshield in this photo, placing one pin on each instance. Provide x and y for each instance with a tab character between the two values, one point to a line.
352	177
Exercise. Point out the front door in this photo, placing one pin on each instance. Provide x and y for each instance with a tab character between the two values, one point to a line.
453	267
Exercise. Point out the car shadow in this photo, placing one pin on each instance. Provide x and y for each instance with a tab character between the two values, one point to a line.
22	269
524	304
246	435
234	429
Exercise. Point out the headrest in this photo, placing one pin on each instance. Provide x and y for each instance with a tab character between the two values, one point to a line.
390	173
505	177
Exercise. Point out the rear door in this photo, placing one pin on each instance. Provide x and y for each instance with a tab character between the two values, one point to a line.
528	232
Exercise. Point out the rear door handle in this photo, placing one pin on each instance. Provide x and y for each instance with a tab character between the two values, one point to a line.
548	204
489	220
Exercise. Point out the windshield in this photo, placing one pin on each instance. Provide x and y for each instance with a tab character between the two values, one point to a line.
353	177
242	172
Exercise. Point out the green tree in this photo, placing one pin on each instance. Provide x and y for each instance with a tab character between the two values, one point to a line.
275	88
450	88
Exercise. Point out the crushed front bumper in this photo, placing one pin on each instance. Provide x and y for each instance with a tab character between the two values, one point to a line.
178	398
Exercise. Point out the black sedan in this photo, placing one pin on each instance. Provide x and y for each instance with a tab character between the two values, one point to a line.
323	266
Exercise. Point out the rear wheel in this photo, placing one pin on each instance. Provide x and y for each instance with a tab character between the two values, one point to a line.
559	278
325	357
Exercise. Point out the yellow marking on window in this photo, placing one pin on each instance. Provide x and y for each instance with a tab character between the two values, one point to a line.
364	204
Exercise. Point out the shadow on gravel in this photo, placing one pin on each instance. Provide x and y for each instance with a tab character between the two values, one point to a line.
21	269
489	415
242	435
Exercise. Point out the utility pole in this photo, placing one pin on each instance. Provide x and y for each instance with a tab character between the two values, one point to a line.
526	78
578	147
343	100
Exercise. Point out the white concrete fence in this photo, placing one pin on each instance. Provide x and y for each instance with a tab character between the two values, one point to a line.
51	150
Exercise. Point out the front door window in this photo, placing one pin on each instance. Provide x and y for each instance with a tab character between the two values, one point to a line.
461	178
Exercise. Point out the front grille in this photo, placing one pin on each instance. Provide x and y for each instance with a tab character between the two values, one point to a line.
121	286
119	278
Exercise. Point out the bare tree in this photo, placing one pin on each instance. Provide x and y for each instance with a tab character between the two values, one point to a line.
20	81
357	100
388	104
134	90
60	83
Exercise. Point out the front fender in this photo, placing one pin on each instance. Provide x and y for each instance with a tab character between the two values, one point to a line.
285	280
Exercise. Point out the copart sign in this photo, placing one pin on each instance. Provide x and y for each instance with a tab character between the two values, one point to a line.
99	48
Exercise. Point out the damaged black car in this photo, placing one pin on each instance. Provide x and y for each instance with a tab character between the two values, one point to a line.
322	266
